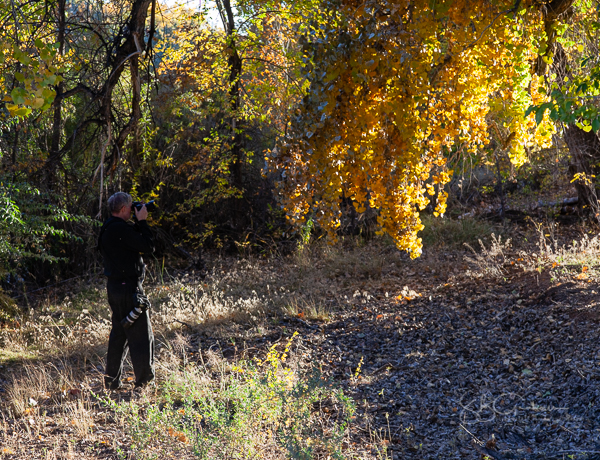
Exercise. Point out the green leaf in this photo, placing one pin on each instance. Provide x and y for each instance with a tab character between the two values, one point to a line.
530	109
45	55
22	57
48	94
50	80
539	114
596	124
18	96
332	75
21	112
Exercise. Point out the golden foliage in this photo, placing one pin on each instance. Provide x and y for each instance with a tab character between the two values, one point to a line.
397	86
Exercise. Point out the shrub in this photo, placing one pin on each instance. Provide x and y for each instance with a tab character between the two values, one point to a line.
33	230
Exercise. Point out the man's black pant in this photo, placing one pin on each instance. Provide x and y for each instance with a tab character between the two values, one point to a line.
139	338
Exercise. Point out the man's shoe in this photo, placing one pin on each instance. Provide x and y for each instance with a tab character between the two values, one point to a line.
149	384
112	384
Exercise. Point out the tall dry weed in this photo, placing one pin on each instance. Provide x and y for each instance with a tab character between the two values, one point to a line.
490	259
579	255
582	251
80	417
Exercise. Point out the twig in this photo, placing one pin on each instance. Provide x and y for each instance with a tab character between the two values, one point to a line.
472	435
47	287
533	346
385	366
514	9
184	323
101	166
310	326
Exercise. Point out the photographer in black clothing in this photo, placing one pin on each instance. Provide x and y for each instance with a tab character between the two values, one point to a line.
122	245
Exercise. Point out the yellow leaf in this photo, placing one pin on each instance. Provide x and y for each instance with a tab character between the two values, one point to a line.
38	102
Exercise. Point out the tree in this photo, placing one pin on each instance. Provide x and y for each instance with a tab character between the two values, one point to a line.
572	69
69	56
395	88
225	96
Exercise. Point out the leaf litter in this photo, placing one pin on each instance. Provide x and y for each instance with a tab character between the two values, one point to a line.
461	366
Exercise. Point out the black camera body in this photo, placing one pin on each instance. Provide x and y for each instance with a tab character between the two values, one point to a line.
150	206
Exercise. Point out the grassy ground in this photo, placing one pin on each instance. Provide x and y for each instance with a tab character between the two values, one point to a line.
255	391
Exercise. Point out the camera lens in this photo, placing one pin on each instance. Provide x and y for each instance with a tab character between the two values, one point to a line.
150	206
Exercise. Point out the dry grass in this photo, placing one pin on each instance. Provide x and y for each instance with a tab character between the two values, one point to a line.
310	309
51	409
490	260
454	233
580	258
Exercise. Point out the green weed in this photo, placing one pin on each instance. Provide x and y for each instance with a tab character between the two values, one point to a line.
256	409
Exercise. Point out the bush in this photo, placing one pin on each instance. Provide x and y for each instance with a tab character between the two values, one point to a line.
33	231
8	309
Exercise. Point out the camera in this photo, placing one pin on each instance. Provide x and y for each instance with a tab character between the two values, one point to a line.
140	305
150	206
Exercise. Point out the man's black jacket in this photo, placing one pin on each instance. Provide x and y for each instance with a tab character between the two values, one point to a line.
122	246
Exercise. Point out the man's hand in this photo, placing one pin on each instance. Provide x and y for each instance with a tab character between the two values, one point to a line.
142	214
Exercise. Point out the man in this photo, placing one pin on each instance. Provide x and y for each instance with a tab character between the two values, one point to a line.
122	245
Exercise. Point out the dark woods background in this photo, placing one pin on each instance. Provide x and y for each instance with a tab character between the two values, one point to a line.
153	101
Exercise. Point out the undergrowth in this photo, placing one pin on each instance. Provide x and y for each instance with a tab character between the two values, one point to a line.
454	233
261	409
215	407
580	258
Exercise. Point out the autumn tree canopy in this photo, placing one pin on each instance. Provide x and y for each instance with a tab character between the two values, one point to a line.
317	103
397	87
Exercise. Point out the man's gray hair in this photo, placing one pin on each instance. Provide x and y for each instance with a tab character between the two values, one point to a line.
118	200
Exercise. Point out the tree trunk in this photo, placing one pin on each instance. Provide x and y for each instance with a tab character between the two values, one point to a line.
584	147
130	45
126	48
15	145
551	11
51	166
235	72
235	66
136	112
